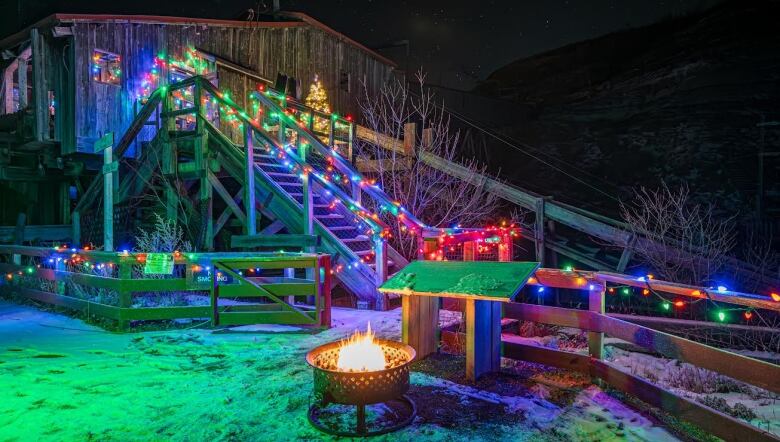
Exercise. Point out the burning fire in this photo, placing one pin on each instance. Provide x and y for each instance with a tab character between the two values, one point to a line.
361	353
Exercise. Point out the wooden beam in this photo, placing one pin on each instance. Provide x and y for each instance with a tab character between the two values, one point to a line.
410	135
596	304
727	296
249	182
539	230
225	195
225	215
283	240
40	91
712	421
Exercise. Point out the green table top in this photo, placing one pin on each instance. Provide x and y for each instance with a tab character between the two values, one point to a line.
494	281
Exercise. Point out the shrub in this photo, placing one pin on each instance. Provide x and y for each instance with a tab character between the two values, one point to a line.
739	410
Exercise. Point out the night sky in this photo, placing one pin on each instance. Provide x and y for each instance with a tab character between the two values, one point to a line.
457	42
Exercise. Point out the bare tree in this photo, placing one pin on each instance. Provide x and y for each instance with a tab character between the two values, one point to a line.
435	197
681	241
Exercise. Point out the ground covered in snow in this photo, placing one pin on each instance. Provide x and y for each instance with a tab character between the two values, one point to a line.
62	379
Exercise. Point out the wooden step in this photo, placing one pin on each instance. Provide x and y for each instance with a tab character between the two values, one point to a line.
282	174
341	228
359	238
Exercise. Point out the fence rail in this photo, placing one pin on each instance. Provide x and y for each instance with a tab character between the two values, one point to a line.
114	285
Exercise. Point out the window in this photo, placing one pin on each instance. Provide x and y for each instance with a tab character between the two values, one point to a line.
106	67
344	81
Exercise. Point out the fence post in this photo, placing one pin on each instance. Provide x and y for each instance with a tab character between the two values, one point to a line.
125	296
596	304
322	286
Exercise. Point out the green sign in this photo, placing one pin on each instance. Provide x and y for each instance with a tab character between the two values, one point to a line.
105	141
158	264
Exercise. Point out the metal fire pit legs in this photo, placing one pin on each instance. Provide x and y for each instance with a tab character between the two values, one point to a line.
333	386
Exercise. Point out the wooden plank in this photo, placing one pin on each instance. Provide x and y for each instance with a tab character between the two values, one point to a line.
157	313
278	289
383	165
227	197
53	232
713	421
153	285
752	371
420	324
548	315
499	281
546	356
483	338
242	318
106	311
596	304
727	296
283	240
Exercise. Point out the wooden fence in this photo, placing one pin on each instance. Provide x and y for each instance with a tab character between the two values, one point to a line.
263	287
752	371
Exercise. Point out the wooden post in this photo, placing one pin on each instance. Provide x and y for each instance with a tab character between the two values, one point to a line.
380	269
350	152
410	135
40	91
505	248
108	199
427	137
249	182
596	304
539	230
214	296
324	262
470	251
76	228
22	73
8	80
332	134
125	295
483	338
308	197
420	323
21	219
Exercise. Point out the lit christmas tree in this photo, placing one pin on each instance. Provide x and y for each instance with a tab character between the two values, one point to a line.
318	100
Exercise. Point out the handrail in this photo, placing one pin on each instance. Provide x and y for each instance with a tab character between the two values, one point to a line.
244	117
342	165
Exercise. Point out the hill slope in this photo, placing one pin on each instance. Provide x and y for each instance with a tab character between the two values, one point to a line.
677	101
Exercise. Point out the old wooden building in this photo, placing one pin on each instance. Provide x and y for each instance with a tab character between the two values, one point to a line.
70	78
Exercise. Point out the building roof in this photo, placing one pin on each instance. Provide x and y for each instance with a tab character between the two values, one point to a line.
293	19
487	280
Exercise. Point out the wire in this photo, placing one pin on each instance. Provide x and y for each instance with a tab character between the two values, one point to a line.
510	142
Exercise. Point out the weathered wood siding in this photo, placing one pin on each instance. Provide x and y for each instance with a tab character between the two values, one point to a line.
299	51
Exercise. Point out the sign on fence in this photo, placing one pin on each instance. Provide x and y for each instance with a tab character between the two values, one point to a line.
158	264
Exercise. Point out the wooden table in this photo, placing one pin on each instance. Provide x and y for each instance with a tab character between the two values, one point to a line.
483	285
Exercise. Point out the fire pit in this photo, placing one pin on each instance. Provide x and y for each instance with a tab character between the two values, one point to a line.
361	371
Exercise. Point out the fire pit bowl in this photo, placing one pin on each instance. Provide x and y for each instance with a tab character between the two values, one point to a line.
361	388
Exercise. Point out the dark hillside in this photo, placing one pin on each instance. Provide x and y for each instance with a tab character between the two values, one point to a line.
680	101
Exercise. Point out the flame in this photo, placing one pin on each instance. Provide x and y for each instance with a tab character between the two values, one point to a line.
361	353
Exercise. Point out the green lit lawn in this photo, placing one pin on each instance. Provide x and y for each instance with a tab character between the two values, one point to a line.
64	380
